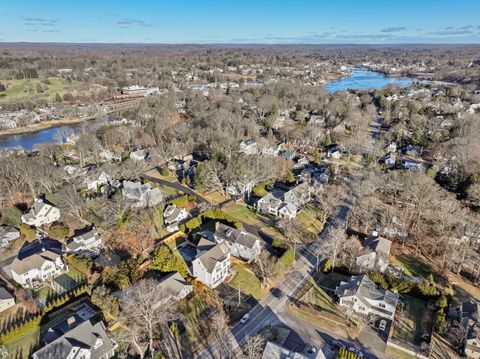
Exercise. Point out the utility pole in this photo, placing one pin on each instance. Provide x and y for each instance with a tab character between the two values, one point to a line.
239	295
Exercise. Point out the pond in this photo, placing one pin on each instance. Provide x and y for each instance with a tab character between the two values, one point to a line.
366	80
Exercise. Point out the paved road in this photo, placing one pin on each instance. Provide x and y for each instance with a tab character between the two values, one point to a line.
176	185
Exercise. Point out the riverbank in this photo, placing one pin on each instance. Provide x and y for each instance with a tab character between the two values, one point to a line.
45	125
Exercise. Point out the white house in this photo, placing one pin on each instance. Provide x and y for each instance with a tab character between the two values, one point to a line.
241	244
94	184
36	265
212	262
377	256
249	147
140	155
273	203
364	298
88	243
6	299
143	194
7	235
41	213
173	215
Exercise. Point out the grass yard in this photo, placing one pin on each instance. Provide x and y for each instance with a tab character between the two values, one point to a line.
26	89
413	266
321	299
24	345
332	280
397	354
308	223
194	313
45	293
168	191
244	214
248	216
247	282
415	321
215	197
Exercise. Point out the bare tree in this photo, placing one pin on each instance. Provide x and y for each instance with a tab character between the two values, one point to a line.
253	346
333	245
145	313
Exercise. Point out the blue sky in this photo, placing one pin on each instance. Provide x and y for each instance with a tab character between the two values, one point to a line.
241	21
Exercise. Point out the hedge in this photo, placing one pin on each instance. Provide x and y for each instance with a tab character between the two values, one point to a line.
213	213
16	332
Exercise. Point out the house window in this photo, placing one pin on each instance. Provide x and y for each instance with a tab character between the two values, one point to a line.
381	305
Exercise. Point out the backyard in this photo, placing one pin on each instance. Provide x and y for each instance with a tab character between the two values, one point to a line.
412	266
414	322
308	223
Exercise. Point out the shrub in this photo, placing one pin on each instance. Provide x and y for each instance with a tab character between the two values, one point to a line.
28	232
327	267
164	171
25	327
440	319
11	216
442	302
182	200
58	231
165	260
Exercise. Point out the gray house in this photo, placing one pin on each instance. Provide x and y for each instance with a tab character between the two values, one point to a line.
174	287
143	194
273	203
241	244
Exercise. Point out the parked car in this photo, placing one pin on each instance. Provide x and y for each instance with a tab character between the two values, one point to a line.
355	351
336	345
276	292
245	318
383	325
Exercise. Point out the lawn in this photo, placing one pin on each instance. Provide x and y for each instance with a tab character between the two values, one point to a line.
320	298
168	191
215	197
45	293
413	266
331	280
414	321
244	214
194	314
247	281
308	223
248	216
22	346
26	89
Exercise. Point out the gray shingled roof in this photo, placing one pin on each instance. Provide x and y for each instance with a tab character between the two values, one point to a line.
214	255
84	335
234	235
379	245
172	285
35	260
363	287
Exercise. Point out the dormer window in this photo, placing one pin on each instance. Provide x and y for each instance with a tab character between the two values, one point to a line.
98	343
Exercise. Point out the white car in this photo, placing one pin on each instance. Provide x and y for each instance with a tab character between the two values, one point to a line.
245	318
356	351
383	325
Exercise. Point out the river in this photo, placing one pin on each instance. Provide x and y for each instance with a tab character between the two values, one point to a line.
365	80
358	80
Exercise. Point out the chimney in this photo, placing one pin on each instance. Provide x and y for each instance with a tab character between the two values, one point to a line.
71	322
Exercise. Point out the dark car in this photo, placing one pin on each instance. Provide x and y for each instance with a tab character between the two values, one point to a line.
276	292
336	345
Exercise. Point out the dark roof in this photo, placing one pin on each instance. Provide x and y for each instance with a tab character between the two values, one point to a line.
5	294
84	335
